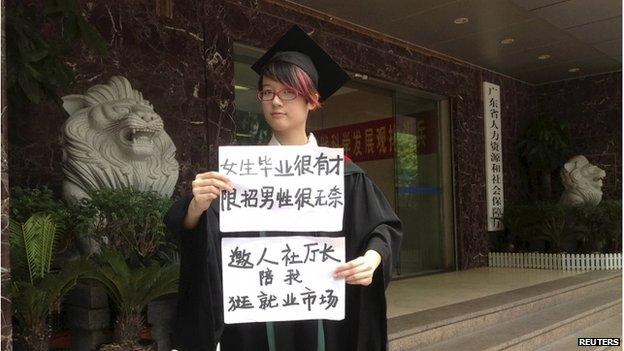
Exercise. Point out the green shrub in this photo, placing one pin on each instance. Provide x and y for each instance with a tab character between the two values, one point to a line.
528	225
128	221
613	232
566	228
590	223
554	226
542	147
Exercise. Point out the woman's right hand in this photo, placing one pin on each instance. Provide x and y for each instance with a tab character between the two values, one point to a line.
207	187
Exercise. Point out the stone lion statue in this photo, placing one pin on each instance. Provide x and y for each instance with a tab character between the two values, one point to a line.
582	182
114	139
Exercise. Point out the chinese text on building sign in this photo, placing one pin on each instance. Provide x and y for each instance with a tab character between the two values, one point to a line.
282	278
301	186
493	155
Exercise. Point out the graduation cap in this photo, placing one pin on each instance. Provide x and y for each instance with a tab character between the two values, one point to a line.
298	48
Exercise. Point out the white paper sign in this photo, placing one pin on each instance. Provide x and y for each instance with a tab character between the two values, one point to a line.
282	188
493	155
282	278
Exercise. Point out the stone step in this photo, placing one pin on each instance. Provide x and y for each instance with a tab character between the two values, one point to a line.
608	328
539	328
420	329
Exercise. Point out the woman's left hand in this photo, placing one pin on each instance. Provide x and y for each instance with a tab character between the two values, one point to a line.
360	270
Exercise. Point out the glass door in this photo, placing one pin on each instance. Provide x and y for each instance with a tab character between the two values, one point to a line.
421	186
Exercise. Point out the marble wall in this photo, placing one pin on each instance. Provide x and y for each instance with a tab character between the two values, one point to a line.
183	65
5	268
592	106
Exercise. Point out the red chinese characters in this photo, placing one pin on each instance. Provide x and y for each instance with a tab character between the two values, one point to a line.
373	140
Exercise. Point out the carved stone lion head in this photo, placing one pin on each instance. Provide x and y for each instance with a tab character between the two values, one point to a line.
113	138
582	182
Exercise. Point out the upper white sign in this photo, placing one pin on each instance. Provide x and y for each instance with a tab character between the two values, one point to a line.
282	188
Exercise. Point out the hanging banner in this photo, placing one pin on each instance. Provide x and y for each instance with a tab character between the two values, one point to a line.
493	156
302	186
373	140
282	278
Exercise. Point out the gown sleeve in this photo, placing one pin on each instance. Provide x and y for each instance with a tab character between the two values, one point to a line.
199	320
174	218
370	223
374	219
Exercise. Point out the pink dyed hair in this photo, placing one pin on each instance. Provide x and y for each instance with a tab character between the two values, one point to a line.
294	78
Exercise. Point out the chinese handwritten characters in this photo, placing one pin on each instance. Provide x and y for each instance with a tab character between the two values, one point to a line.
282	278
303	185
493	155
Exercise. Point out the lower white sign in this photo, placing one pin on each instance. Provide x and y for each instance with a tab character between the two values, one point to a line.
282	278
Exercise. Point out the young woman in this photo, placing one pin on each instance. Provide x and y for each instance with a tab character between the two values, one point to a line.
295	76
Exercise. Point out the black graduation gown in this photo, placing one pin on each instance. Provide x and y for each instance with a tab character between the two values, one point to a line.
369	223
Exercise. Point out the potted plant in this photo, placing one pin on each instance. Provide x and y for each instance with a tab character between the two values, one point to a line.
130	290
135	249
36	288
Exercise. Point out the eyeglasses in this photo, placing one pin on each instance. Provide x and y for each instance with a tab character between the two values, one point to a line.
284	94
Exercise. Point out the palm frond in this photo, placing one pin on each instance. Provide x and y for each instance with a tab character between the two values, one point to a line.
157	282
32	302
32	248
48	234
34	243
111	282
132	289
553	230
59	284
